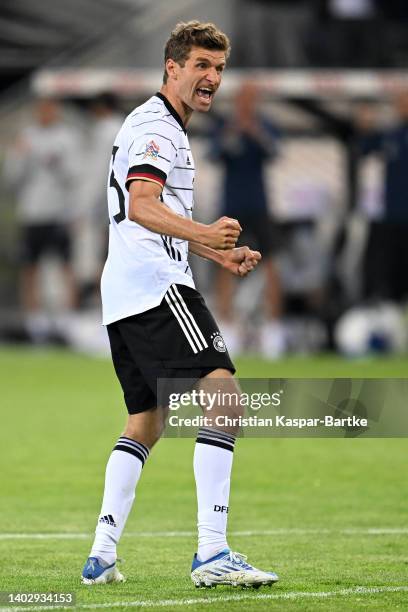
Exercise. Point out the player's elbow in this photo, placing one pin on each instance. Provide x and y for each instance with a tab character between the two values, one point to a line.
137	210
143	198
133	214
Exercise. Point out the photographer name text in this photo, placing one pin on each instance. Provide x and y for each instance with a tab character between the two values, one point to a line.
275	421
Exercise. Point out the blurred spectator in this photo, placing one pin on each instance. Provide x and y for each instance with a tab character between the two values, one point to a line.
395	26
41	167
348	34
386	257
272	33
244	143
91	235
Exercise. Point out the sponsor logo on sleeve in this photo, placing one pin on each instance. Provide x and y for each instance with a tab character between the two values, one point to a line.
151	150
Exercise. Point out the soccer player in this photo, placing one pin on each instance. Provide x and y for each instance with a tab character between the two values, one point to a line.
158	324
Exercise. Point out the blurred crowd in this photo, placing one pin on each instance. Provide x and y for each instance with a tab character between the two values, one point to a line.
58	174
299	300
324	33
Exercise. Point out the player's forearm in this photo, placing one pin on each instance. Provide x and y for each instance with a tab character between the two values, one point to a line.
158	218
206	252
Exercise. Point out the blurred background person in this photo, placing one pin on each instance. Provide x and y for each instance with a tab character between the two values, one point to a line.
347	33
92	232
385	260
272	33
243	144
315	183
41	167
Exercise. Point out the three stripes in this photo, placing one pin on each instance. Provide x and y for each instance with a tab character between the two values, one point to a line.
216	437
137	449
185	319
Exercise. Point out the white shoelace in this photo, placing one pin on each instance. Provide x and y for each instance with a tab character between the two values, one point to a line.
238	558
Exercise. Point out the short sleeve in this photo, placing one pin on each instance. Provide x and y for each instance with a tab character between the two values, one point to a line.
152	152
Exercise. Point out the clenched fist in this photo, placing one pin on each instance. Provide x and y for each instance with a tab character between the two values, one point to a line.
222	234
241	261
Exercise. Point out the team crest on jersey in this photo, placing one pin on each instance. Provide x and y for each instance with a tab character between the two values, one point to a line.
151	150
218	342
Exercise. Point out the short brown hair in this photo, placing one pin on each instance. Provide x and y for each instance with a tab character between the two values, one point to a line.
193	34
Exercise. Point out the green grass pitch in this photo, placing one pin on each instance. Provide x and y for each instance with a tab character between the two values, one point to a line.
328	515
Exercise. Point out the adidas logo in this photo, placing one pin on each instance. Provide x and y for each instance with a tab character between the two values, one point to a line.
108	519
188	162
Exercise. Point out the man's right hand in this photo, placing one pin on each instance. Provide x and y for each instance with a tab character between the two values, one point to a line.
222	234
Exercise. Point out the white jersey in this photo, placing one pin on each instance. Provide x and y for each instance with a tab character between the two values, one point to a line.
152	145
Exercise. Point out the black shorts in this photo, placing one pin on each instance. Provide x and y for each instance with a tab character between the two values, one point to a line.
179	339
37	240
260	232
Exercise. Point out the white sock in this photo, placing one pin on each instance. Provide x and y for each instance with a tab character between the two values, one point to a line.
122	475
213	456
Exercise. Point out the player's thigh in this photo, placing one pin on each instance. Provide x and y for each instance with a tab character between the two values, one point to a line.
137	394
177	343
224	399
146	427
180	333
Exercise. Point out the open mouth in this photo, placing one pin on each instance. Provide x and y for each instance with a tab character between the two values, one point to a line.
205	93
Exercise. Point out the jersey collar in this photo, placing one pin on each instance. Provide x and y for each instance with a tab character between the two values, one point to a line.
171	110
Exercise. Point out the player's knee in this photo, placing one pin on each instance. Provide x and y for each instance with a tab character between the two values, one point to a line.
146	427
148	438
233	409
223	399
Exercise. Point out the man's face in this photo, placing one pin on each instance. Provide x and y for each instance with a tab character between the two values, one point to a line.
197	81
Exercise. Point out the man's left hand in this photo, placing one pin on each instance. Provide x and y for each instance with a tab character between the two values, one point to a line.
241	260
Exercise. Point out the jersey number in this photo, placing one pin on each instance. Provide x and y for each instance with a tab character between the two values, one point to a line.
121	215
